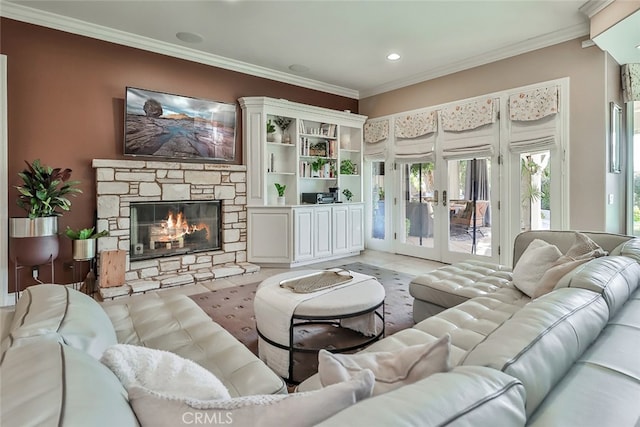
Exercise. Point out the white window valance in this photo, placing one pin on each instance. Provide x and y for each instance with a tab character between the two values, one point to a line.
415	125
376	131
631	82
415	137
470	115
533	104
534	119
476	129
535	135
376	134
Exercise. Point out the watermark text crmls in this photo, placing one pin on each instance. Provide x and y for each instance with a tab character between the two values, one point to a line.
207	418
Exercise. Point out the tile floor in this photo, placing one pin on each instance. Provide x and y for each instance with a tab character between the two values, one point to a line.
402	263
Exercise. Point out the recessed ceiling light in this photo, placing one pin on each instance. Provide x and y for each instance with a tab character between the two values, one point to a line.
298	68
638	47
393	56
189	37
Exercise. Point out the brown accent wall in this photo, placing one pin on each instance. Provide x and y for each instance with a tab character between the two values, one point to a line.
66	106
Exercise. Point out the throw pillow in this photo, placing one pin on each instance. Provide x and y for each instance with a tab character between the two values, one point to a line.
274	410
551	278
539	257
162	372
583	250
392	369
583	247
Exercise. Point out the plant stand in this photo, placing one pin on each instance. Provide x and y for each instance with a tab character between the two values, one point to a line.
87	284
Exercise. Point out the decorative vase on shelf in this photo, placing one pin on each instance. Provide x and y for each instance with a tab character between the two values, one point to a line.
276	137
281	200
345	141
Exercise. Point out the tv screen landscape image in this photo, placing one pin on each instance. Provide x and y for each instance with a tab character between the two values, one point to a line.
172	126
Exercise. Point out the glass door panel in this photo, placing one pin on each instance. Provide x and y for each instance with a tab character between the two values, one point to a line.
378	213
469	206
418	190
535	191
417	225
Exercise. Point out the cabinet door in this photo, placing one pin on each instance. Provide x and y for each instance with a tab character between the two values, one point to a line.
356	227
340	229
322	227
303	234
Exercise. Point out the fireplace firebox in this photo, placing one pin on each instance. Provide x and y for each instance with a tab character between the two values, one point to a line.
160	229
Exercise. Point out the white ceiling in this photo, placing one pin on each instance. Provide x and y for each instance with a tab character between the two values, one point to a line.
343	44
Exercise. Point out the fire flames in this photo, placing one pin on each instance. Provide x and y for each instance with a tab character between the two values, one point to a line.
176	226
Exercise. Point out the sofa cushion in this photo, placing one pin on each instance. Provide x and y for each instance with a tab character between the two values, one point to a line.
630	248
46	383
175	323
537	259
465	396
167	374
62	314
391	369
539	343
454	284
615	277
603	386
307	409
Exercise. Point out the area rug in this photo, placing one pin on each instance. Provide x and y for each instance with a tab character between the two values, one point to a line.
232	308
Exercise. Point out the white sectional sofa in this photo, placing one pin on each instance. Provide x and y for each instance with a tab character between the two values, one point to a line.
567	358
50	373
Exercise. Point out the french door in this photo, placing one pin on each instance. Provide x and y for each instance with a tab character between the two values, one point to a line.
446	209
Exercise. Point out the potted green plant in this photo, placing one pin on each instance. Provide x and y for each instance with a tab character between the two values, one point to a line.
283	123
280	188
316	165
272	136
44	196
348	194
83	242
347	167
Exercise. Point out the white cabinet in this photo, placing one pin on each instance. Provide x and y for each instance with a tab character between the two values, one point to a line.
303	231
340	229
271	232
348	228
312	233
314	149
356	227
322	231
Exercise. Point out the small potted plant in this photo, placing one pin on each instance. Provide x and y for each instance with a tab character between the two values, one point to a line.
44	196
83	242
283	123
348	194
280	188
317	165
272	136
347	167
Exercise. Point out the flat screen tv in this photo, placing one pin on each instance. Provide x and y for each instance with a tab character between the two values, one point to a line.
178	127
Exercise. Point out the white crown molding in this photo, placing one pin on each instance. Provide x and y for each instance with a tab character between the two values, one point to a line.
75	26
539	42
592	7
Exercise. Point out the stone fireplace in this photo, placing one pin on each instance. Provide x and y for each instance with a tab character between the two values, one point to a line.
125	188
